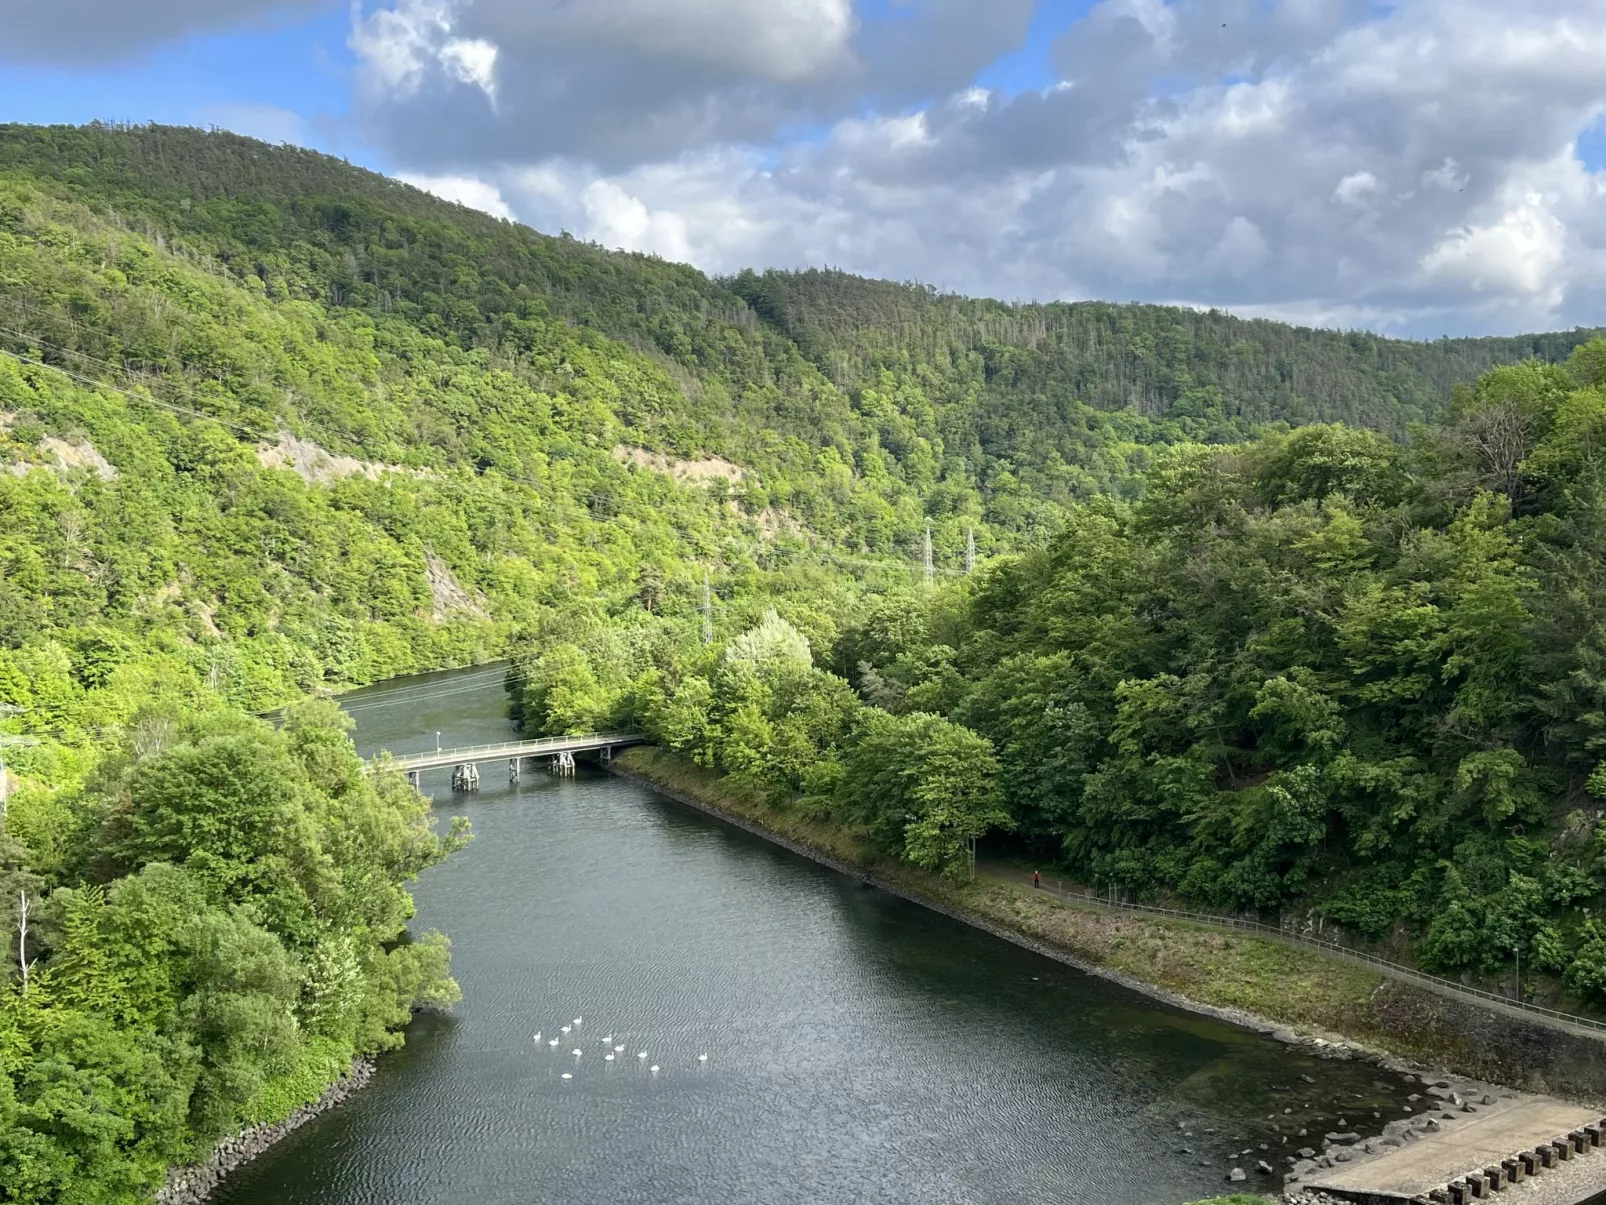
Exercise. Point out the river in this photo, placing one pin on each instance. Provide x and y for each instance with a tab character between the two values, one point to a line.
860	1048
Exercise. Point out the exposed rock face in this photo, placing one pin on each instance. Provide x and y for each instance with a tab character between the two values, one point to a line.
193	1184
316	465
695	471
447	596
64	457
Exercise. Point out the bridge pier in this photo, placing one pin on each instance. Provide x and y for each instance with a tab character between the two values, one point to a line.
563	764
466	777
513	770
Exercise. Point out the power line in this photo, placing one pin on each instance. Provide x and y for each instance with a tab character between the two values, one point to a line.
138	397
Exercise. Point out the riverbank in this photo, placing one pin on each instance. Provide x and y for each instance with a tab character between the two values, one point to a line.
194	1183
1297	995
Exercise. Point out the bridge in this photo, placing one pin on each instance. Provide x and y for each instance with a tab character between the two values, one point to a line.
465	762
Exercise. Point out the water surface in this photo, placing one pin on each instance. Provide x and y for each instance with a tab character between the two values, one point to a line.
860	1048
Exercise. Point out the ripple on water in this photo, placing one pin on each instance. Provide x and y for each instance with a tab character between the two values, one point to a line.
861	1049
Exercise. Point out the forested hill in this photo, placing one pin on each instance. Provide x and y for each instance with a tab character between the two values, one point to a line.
1160	361
978	395
271	425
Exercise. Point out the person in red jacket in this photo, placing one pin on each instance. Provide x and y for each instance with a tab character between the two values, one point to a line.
1037	879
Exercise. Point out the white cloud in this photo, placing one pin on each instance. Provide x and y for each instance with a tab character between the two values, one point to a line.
1412	168
471	61
266	122
1520	251
465	190
1357	189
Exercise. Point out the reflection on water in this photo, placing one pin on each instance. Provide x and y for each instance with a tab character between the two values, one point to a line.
860	1048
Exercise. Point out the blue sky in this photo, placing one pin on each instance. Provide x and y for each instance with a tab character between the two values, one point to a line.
300	67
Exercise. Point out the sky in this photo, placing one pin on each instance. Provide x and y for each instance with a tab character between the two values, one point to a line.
1417	167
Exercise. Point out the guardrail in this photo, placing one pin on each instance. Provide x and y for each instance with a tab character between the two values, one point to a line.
470	753
1396	970
599	738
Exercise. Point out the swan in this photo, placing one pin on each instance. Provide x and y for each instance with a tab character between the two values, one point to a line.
553	1042
566	1075
702	1058
642	1055
577	1020
655	1068
618	1049
565	1029
608	1057
537	1037
577	1052
609	1038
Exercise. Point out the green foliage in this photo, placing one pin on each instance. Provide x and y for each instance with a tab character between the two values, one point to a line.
271	426
924	787
229	937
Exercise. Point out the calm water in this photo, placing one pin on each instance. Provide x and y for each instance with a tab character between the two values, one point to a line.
860	1048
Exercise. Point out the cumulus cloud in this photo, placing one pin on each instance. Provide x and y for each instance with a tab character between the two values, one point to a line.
1413	168
80	32
623	82
464	190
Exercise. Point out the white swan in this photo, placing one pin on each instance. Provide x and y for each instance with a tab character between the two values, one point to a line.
655	1068
618	1049
577	1020
566	1075
537	1037
577	1052
553	1042
702	1058
642	1055
565	1029
608	1057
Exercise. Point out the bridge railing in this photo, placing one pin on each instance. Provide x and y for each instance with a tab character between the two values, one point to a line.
1392	969
469	752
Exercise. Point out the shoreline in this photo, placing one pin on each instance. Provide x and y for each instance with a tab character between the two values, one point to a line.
1388	1023
194	1183
1442	1088
1244	1019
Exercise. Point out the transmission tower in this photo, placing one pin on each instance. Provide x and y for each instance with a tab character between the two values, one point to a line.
931	567
970	551
708	611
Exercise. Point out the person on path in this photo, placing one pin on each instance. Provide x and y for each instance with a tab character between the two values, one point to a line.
1037	879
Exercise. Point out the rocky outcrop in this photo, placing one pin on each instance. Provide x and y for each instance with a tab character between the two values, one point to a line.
194	1183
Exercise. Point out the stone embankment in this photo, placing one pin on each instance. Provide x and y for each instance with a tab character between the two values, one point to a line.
194	1183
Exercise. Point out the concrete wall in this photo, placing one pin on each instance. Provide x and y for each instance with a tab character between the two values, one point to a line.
1490	1045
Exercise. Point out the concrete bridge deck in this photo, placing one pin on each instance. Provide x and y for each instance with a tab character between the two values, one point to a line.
1509	1144
515	751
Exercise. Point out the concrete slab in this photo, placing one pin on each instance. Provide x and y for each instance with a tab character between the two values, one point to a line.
1499	1131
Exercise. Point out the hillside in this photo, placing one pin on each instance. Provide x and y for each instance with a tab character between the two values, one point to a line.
271	426
963	401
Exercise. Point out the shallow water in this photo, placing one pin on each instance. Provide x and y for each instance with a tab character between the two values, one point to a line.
860	1048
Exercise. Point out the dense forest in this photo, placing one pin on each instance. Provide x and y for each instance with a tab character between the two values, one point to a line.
1259	617
1317	674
